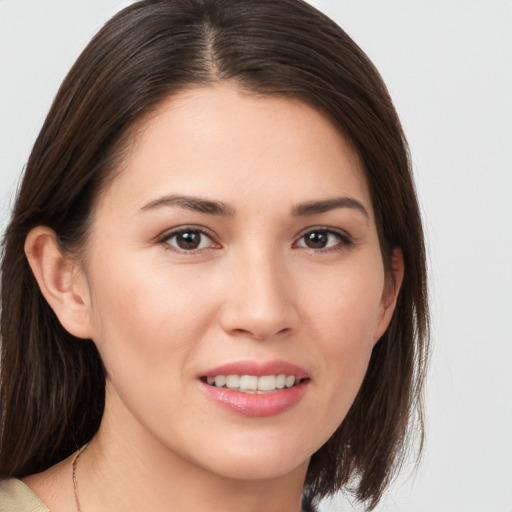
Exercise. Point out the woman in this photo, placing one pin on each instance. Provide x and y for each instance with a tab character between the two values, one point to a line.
214	291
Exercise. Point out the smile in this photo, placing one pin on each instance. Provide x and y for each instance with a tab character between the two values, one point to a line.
253	383
255	389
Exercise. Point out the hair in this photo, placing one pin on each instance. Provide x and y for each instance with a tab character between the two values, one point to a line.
52	384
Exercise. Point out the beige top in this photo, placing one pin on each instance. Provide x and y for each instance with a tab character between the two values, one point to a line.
15	496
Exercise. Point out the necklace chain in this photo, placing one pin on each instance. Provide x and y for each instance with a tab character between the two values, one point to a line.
75	480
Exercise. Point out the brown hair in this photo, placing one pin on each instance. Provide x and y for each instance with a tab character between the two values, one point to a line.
52	385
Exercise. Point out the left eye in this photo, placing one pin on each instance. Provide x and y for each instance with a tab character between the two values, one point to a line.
188	240
322	239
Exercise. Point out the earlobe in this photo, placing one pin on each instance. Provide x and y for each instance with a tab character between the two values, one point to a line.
390	294
63	287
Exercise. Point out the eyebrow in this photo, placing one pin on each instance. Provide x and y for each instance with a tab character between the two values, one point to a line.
191	203
316	207
211	207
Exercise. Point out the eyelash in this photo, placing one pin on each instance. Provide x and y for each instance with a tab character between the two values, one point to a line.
165	239
344	239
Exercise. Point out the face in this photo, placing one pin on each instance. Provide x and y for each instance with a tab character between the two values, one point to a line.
235	285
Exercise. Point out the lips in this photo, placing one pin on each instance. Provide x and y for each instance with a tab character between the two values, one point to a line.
255	389
253	383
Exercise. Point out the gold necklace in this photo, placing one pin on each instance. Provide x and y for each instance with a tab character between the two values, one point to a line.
75	481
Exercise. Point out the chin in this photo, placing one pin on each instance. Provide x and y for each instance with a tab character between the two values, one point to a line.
261	468
258	460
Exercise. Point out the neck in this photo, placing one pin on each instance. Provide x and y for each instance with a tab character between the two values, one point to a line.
135	472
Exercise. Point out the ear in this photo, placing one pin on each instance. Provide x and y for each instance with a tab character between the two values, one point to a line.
390	293
60	280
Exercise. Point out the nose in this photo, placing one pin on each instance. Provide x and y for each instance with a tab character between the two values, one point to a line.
259	301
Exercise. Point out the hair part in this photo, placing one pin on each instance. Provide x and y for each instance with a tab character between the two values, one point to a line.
145	54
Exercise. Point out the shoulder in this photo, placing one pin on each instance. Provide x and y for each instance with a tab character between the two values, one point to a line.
15	496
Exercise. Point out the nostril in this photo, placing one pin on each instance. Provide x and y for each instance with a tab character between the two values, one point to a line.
257	319
261	335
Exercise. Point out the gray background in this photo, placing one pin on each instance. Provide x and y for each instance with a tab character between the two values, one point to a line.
448	65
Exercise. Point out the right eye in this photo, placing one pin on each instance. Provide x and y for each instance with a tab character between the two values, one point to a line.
188	240
324	239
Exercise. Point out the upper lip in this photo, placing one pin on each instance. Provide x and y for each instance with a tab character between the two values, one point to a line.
257	368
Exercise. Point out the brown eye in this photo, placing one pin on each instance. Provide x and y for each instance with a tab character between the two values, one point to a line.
188	240
316	239
319	239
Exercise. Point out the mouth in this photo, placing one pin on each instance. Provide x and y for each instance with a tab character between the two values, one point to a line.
254	384
256	389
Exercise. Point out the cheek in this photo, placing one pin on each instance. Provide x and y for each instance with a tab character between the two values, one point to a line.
348	308
345	320
148	317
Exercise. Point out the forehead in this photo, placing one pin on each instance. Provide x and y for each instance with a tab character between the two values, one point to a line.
222	141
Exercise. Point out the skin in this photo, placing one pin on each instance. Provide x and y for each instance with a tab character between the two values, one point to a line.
161	315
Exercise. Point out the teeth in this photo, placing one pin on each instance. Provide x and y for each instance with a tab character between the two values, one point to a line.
267	383
220	380
248	382
233	381
290	381
252	383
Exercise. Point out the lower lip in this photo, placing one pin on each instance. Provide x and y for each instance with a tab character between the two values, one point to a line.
256	405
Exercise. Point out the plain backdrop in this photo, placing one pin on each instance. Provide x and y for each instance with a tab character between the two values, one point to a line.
448	66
